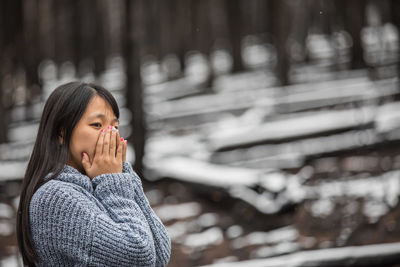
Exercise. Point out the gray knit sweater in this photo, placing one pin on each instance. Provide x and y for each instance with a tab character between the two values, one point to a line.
106	221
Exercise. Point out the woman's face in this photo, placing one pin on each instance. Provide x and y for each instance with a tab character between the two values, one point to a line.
98	115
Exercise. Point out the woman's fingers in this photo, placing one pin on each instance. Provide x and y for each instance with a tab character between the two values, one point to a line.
118	142
119	150
108	154
85	161
88	162
113	141
106	144
99	145
125	146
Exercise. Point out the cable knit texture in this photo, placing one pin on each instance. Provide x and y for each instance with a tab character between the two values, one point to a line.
106	221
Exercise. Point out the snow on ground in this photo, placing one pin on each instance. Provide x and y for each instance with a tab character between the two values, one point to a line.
178	211
284	234
11	261
200	241
293	127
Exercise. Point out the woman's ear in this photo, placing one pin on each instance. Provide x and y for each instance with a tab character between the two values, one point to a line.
61	138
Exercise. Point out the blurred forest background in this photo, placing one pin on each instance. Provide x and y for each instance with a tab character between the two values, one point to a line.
264	130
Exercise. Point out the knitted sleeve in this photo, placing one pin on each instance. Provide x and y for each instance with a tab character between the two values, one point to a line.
162	240
116	191
69	229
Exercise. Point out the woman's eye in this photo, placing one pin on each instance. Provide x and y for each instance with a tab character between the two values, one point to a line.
99	125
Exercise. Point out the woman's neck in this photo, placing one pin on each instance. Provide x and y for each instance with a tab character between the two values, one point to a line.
76	166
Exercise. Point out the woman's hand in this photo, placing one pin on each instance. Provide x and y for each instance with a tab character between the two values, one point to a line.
110	153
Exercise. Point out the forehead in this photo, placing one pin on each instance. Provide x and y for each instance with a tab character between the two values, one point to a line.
97	107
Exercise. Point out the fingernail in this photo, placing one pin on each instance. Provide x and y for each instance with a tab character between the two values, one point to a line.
114	129
109	127
126	141
102	130
83	154
122	139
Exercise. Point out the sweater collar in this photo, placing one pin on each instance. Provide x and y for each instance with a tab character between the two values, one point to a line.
71	175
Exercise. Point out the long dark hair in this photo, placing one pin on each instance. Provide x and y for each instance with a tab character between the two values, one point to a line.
62	111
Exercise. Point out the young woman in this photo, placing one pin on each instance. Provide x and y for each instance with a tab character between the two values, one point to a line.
81	203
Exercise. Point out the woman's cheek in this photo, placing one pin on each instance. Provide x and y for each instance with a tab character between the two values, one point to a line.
89	142
92	145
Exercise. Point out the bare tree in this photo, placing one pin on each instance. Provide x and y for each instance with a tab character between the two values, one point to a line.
134	91
183	24
395	11
46	22
63	32
3	128
99	47
235	25
31	53
11	45
354	13
282	13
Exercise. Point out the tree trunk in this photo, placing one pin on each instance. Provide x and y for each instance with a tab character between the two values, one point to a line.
11	45
203	36
353	24
134	91
183	21
31	54
3	126
76	34
99	40
46	29
281	29
152	29
235	33
63	39
395	8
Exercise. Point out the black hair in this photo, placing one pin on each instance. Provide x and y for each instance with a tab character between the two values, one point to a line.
62	111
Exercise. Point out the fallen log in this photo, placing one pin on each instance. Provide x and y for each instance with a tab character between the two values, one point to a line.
386	128
201	172
385	119
293	154
316	123
14	170
275	189
368	255
161	92
206	108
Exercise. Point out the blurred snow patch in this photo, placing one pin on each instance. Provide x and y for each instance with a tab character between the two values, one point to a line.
209	237
374	209
284	234
322	207
11	261
279	249
6	211
6	227
226	259
208	219
177	230
178	211
154	196
234	231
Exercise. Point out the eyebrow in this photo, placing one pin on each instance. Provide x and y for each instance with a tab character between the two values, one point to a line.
101	115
